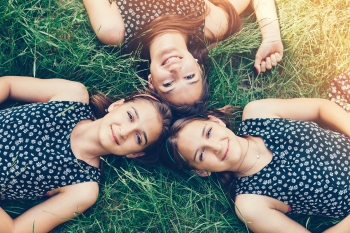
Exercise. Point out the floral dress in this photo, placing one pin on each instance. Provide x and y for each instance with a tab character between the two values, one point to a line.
137	14
35	152
310	167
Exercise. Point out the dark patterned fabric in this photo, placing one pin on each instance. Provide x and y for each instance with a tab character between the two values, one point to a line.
340	90
139	13
310	168
35	149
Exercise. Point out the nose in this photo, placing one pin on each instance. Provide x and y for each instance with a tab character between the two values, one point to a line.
215	146
175	68
125	131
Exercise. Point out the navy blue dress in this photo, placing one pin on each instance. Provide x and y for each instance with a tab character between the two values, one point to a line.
309	170
35	152
137	14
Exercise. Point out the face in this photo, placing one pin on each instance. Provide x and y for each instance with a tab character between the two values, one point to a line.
130	127
176	76
209	146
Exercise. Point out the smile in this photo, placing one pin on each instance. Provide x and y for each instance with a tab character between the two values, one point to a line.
226	152
114	136
170	59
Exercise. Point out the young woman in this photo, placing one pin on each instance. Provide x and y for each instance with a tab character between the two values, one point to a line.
52	147
173	36
281	160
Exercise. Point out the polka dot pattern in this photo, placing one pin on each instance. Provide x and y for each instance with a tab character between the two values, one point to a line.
309	170
139	13
35	149
340	90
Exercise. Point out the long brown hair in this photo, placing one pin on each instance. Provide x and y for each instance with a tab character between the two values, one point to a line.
99	103
171	156
187	25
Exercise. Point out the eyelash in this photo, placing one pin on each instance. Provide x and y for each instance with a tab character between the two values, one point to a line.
168	84
201	154
189	76
209	132
138	137
130	116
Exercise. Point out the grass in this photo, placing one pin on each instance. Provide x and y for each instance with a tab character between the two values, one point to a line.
54	39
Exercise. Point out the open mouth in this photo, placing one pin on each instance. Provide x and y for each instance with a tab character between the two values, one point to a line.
226	152
114	136
170	59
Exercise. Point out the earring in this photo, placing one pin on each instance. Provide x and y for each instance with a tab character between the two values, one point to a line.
196	60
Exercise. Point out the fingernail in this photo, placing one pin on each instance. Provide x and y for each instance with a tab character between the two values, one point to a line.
289	209
47	194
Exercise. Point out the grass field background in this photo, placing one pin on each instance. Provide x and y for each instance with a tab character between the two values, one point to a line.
53	38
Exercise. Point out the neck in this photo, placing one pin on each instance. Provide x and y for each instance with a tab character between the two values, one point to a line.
85	141
250	154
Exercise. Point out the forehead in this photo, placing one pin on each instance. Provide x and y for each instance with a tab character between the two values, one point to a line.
149	119
190	137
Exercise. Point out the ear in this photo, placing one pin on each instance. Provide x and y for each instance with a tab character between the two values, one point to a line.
150	82
217	120
135	155
115	104
202	173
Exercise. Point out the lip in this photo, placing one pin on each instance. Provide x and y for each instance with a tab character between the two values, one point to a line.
114	136
227	149
166	60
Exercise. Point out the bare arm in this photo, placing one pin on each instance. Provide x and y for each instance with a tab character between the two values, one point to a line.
307	109
271	49
30	89
264	214
70	201
106	21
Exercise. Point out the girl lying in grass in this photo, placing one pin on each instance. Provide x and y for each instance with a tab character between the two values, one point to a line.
284	158
173	35
52	147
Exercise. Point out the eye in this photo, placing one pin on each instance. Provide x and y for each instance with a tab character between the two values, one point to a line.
138	138
201	155
188	77
209	132
168	84
130	116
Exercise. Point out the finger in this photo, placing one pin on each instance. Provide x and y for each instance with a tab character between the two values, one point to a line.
263	66
278	57
273	60
257	64
268	63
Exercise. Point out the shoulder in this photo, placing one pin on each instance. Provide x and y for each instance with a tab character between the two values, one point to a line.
72	91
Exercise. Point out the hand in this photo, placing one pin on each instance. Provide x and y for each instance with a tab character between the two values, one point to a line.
268	54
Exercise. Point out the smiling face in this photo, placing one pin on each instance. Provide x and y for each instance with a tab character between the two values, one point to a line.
130	127
209	146
176	76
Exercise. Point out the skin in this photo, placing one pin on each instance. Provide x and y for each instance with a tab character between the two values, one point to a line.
108	25
209	140
172	70
89	140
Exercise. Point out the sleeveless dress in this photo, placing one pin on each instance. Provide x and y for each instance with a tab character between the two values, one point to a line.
137	14
35	152
309	170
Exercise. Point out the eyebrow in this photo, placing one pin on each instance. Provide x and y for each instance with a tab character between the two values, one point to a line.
203	131
190	83
144	133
